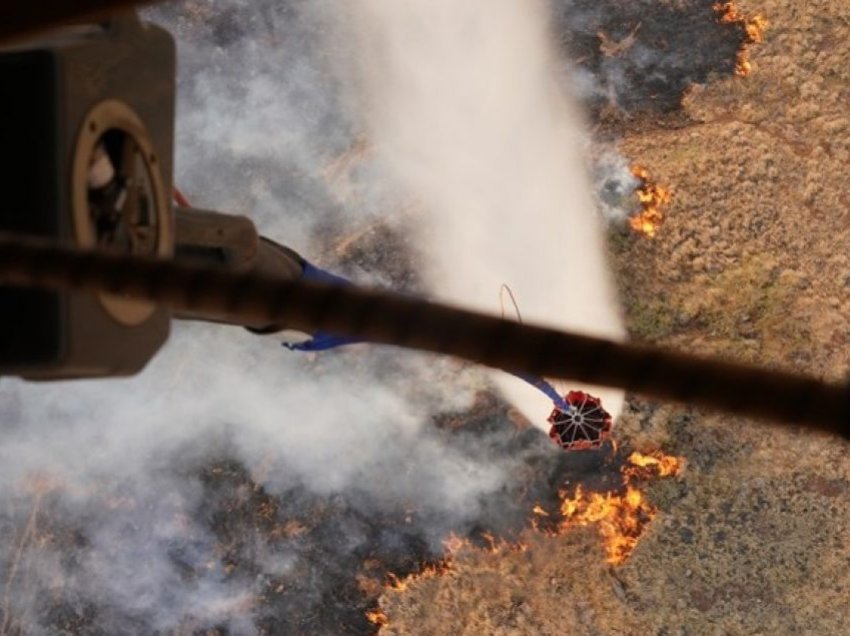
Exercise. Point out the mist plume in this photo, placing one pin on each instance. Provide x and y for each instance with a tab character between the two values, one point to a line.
467	107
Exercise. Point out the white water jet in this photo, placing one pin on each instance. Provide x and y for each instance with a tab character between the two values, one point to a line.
465	104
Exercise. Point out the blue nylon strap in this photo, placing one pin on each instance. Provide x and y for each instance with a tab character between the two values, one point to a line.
544	387
321	341
311	272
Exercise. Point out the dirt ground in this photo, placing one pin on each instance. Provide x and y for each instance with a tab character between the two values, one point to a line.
751	264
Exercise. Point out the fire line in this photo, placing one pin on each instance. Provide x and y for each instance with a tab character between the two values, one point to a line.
652	198
753	26
621	516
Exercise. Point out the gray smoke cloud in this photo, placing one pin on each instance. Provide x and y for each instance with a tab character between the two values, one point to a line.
613	183
115	464
236	486
105	491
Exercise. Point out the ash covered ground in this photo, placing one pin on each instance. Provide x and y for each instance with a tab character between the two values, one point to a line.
258	515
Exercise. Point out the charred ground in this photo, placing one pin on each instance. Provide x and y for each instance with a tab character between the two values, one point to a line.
639	58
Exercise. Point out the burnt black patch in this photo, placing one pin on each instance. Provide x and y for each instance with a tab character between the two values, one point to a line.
641	56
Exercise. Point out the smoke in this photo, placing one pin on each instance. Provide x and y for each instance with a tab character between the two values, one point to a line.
466	104
236	487
109	500
137	505
613	183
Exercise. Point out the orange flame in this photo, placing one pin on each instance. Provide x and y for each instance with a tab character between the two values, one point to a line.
495	546
652	198
621	517
539	511
377	617
664	465
754	28
400	584
454	544
429	570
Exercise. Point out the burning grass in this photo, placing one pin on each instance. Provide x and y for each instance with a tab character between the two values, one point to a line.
753	28
620	514
653	198
377	617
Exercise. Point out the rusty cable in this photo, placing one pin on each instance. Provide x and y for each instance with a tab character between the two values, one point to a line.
383	317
